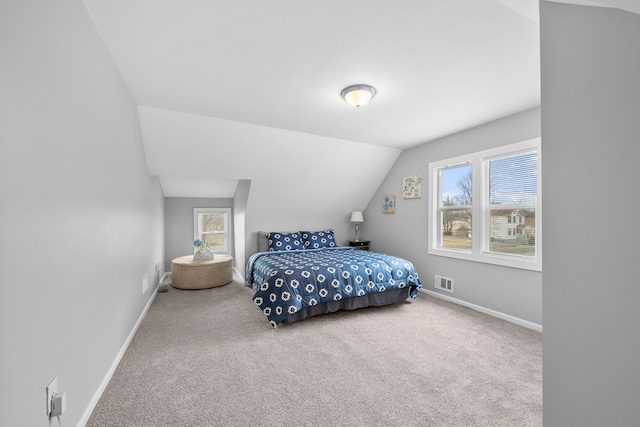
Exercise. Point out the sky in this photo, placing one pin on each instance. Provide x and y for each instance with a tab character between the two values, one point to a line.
513	179
450	179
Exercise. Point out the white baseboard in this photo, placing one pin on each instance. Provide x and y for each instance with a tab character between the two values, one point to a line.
105	381
499	315
237	275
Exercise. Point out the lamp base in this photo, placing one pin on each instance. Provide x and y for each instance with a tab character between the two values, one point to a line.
357	239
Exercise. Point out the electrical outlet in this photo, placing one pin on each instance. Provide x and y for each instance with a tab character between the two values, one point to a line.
58	404
159	272
145	283
52	389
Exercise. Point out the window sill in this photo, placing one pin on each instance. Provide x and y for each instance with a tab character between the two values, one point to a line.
491	259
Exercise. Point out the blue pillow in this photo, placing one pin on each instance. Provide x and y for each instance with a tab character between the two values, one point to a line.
318	239
284	241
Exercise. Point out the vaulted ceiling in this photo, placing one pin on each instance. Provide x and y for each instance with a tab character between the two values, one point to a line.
250	89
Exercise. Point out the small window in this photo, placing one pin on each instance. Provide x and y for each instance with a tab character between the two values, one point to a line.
485	206
211	225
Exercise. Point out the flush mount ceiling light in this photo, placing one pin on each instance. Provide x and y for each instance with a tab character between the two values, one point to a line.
358	95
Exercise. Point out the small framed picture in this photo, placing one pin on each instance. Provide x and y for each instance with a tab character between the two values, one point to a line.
412	187
389	204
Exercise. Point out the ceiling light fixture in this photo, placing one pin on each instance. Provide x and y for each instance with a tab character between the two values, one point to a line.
358	95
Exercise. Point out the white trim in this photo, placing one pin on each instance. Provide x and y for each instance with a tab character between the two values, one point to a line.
105	381
498	314
237	274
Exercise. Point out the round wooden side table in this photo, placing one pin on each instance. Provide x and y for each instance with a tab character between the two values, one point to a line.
187	273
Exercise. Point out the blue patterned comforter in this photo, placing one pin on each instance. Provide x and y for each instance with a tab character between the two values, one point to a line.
287	281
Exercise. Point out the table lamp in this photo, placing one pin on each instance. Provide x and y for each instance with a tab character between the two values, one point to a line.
356	218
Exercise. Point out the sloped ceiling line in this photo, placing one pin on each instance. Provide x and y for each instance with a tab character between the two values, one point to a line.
251	89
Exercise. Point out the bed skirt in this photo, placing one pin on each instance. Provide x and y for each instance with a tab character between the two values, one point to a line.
391	296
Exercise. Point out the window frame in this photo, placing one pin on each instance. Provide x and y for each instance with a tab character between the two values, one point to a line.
480	209
196	226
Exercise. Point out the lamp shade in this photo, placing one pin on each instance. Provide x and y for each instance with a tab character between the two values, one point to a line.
356	216
358	95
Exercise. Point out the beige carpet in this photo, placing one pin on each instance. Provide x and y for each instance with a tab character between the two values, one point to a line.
210	358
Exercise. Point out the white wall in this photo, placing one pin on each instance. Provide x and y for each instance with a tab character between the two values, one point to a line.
81	222
513	292
239	214
591	146
292	172
286	223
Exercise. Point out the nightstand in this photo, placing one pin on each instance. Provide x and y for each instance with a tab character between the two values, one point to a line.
362	244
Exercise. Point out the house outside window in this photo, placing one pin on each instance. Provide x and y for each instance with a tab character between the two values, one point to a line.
497	194
211	225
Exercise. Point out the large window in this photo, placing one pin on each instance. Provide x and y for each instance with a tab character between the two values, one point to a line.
211	225
485	206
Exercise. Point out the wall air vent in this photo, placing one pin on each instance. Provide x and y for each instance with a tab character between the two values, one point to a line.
443	283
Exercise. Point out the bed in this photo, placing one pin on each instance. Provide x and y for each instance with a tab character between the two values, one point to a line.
303	274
